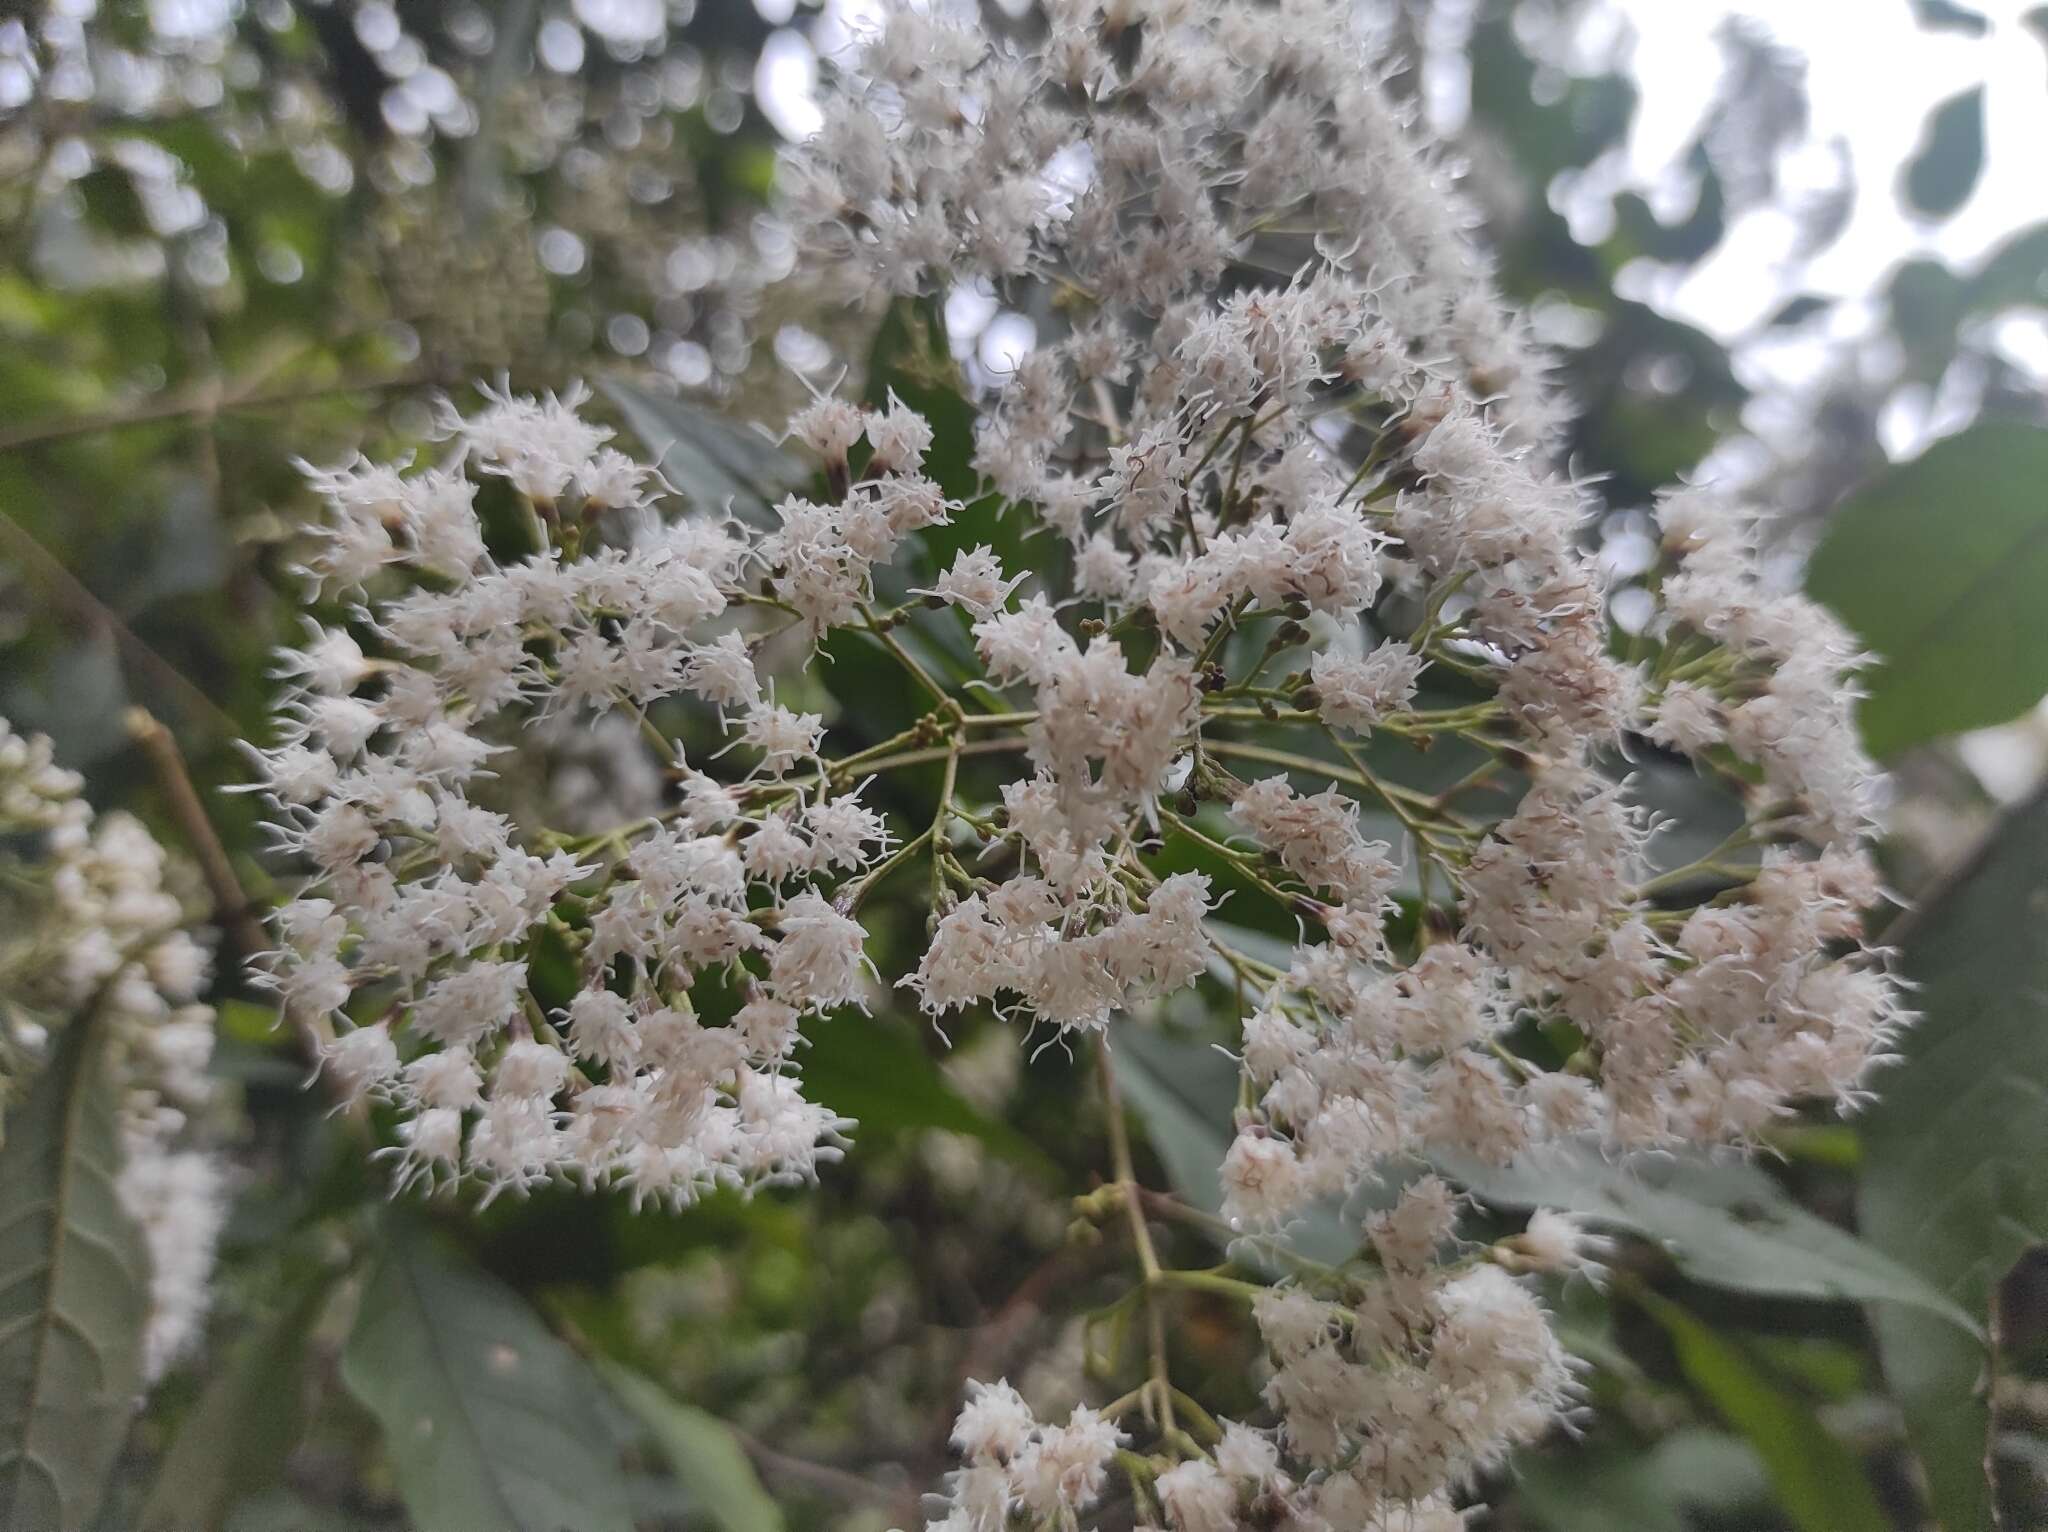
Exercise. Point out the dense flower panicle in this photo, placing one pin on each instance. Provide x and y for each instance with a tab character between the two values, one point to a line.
1290	465
90	935
427	901
1285	391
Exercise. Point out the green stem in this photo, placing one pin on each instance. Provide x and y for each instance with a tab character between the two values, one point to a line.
1237	859
947	704
1158	1389
1212	1282
1389	791
876	874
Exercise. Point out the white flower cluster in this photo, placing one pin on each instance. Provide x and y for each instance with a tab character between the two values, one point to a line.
1790	709
1427	1379
1277	409
92	936
1013	1460
428	904
1292	458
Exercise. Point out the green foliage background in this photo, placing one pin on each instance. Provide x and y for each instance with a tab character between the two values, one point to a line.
1853	1336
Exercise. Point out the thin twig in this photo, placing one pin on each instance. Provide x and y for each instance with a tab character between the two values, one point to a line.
202	404
1159	1397
232	911
95	612
778	1465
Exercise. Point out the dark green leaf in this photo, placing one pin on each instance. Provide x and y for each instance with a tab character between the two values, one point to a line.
912	360
1641	232
74	1291
1798	309
1955	1180
1694	813
1184	1090
1945	167
703	1452
1939	566
1263	946
2016	272
1819	1481
715	463
489	1419
1727	1225
872	1070
235	1440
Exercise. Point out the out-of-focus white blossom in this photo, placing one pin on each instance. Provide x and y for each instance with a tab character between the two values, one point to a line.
90	935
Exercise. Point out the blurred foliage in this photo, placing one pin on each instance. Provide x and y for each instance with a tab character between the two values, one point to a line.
74	1288
1943	1191
1933	596
225	250
1941	175
228	250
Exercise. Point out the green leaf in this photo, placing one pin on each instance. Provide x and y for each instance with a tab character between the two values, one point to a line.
912	360
235	1440
1955	1180
488	1418
1945	168
1617	1489
1939	566
715	463
74	1291
1727	1225
1185	1090
873	1071
1260	945
702	1451
1819	1481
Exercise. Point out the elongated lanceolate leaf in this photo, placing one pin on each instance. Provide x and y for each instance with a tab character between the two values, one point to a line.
701	1449
74	1291
1819	1481
489	1419
1184	1091
1723	1223
236	1438
1955	1177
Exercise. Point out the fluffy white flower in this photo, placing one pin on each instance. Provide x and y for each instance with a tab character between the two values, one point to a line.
975	582
1356	694
1555	1242
1257	508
